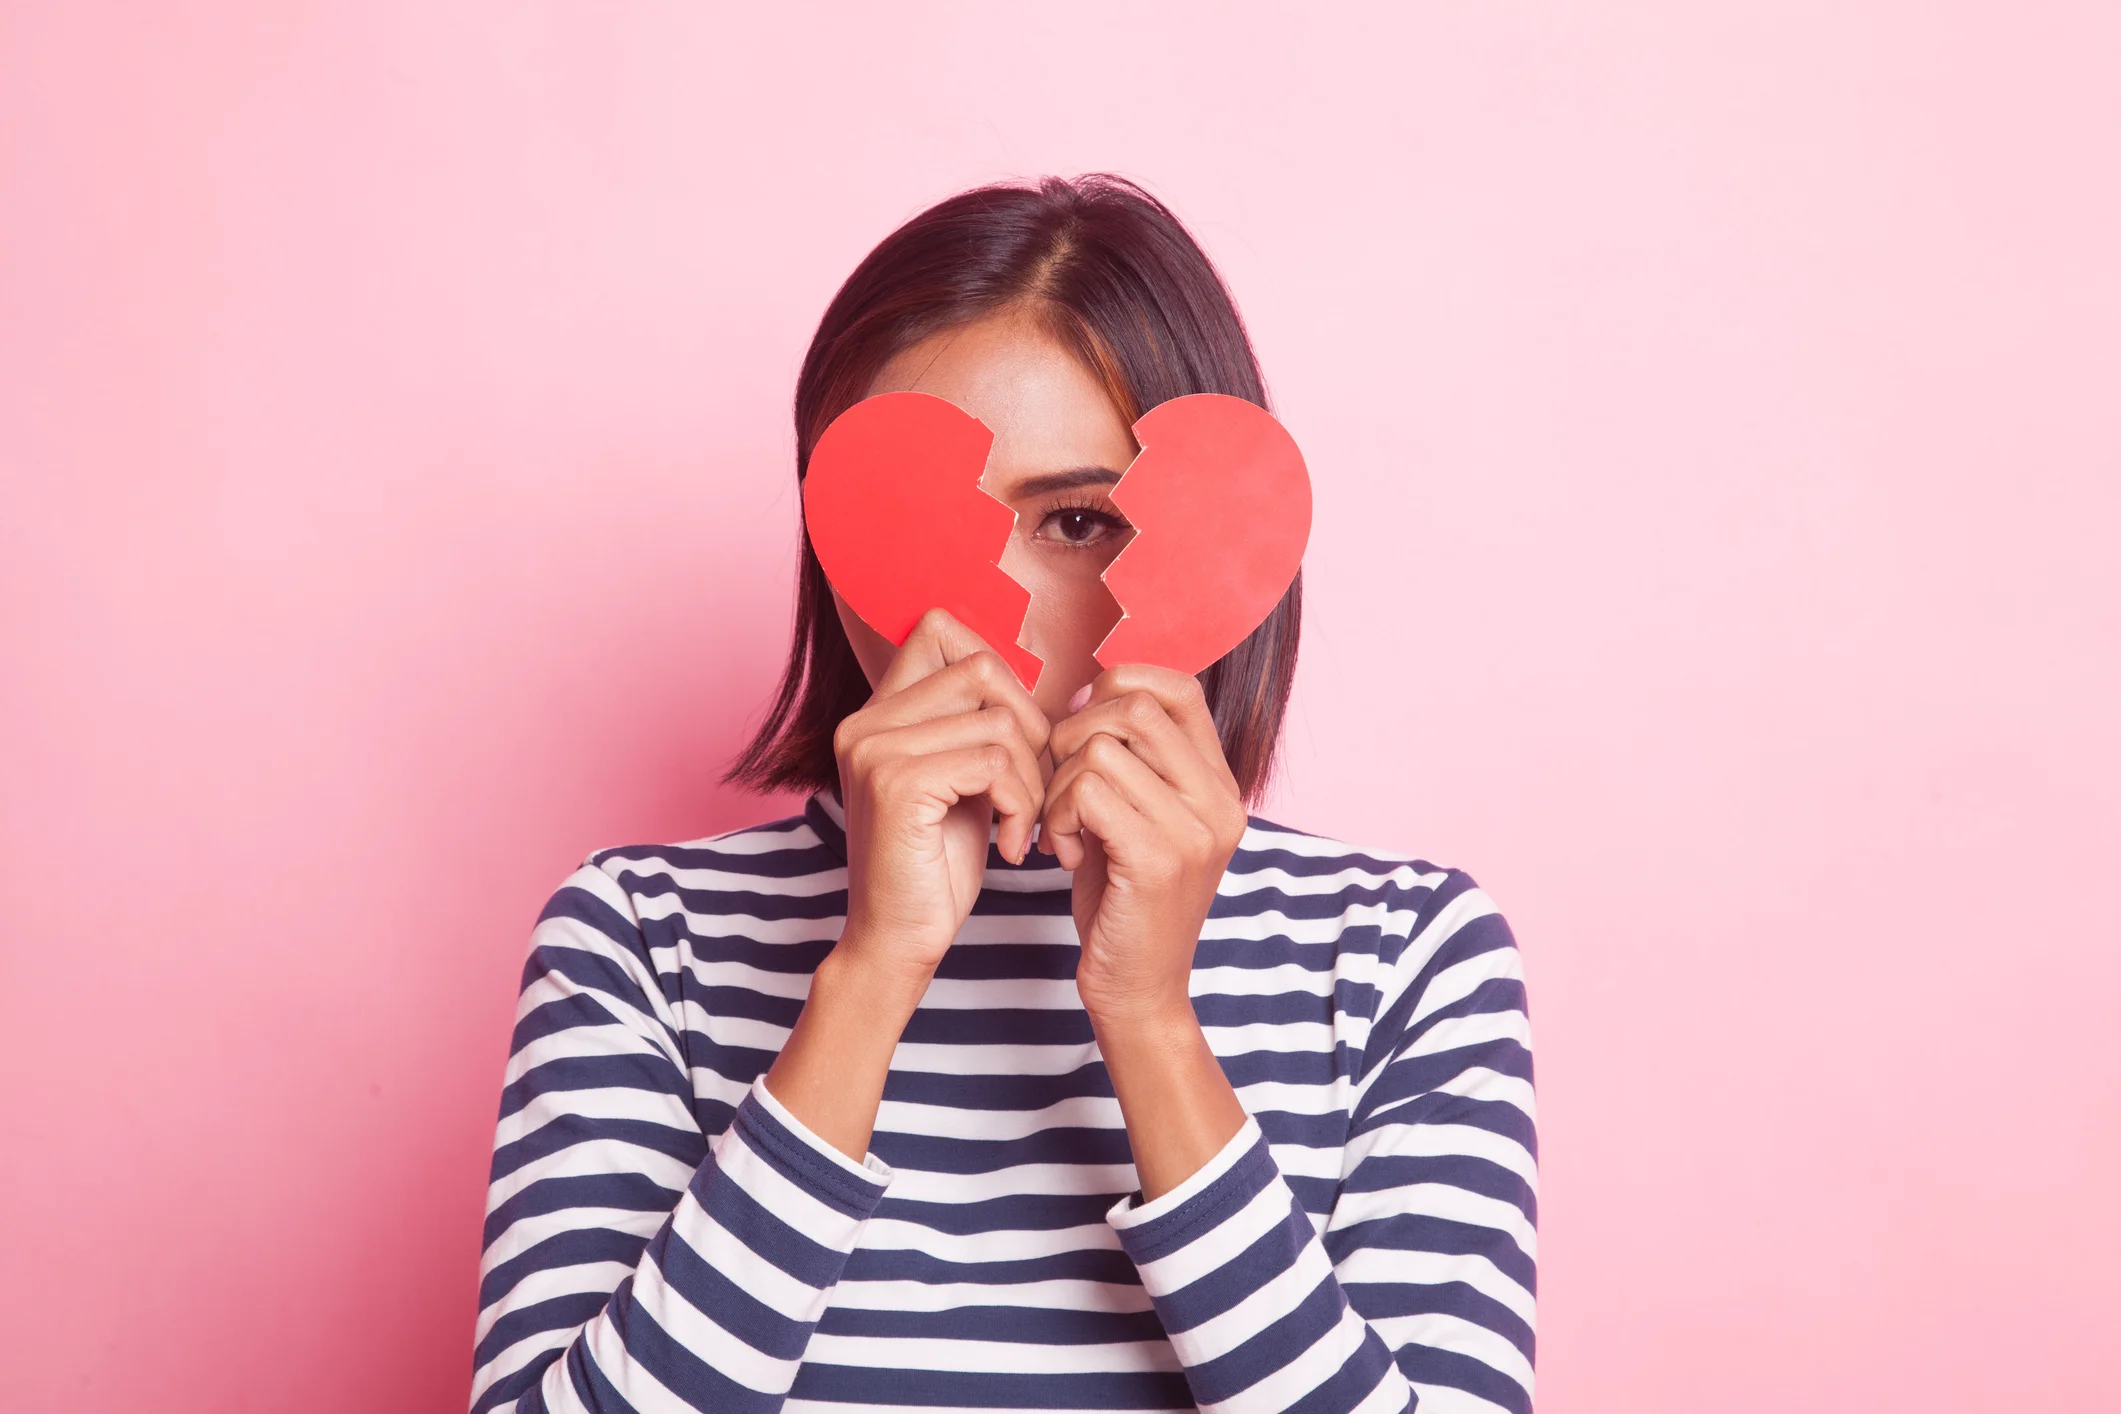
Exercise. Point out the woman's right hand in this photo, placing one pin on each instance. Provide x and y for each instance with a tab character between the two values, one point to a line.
949	739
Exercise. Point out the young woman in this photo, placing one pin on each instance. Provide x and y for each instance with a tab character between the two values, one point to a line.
1023	1069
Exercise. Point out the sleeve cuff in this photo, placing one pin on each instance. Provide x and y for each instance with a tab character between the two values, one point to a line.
798	1146
1206	1194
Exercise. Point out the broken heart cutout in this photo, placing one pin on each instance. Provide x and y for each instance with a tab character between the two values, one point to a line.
897	517
1218	495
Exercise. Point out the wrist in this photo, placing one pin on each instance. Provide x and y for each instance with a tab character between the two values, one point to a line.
860	980
831	1073
1142	1018
1179	1106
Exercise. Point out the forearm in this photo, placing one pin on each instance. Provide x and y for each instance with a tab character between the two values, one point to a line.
1240	1280
1421	1275
593	1276
1248	1297
720	1304
831	1072
1179	1108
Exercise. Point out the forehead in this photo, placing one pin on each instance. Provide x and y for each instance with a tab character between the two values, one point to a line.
1047	411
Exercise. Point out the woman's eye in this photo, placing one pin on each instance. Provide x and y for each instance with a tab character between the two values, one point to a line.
1078	526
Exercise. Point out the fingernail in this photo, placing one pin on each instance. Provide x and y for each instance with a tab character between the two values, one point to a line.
1082	695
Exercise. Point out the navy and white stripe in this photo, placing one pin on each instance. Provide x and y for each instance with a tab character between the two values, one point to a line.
662	1235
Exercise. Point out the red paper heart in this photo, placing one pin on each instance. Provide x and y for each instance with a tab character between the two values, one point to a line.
1221	505
895	511
1219	498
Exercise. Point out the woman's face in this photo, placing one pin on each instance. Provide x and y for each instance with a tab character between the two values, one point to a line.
1059	445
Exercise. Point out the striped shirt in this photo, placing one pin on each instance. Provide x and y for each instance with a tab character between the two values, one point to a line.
663	1236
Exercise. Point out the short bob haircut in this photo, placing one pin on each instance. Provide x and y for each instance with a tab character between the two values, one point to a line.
1113	276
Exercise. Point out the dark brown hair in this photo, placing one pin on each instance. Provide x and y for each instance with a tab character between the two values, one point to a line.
1116	278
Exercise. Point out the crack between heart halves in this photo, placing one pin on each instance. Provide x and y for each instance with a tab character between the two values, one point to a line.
1032	596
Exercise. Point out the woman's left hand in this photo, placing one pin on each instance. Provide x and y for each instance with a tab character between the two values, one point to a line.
1144	808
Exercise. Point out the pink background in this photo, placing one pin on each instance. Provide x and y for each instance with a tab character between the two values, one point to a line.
1713	409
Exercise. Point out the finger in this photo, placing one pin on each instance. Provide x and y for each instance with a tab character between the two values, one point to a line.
1144	724
1098	809
945	667
988	726
938	640
1152	797
1182	700
1061	821
969	684
947	777
1060	826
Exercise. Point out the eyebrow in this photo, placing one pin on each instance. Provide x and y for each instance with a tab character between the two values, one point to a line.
1046	483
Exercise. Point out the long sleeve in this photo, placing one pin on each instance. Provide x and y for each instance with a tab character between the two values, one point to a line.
1417	1291
630	1264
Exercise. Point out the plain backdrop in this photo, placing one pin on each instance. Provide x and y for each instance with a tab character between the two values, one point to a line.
1713	410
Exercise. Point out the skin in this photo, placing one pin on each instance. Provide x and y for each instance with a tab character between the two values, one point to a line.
1129	788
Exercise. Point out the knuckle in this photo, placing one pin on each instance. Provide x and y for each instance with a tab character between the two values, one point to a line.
860	755
1139	709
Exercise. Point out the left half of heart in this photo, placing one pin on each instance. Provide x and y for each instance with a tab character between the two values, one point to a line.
893	504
